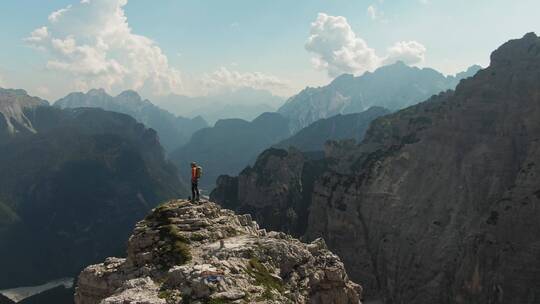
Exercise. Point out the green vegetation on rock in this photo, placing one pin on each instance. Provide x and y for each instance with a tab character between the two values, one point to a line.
176	250
263	278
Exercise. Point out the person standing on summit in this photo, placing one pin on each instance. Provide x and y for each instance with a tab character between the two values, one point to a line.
196	173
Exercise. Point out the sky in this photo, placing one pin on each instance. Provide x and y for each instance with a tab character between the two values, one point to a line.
200	47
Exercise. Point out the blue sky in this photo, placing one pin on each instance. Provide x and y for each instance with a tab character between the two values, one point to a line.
212	45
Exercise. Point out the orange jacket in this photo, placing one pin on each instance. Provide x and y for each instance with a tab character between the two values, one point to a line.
194	174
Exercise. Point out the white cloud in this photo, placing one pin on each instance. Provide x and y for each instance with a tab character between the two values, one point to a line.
93	45
410	52
38	35
54	16
339	50
90	44
225	79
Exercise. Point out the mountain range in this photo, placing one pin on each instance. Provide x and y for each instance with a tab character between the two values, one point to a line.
428	194
243	103
230	145
393	87
72	184
173	131
438	204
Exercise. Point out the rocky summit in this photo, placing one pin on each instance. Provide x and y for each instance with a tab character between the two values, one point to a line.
187	252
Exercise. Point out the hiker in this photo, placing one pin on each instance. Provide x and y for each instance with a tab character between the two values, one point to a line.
196	173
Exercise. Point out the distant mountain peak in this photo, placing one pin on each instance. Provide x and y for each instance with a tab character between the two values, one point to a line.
173	130
399	63
394	86
341	79
474	67
130	94
530	35
14	92
14	104
517	52
97	92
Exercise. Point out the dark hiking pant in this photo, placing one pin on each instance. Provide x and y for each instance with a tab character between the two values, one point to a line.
194	190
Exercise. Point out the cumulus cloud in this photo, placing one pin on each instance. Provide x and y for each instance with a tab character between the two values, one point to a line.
93	44
410	52
225	79
337	49
38	35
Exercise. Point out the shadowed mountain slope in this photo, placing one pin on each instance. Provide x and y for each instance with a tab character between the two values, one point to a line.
173	131
339	127
440	202
71	189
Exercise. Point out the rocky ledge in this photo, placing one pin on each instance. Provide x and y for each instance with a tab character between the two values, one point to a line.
187	252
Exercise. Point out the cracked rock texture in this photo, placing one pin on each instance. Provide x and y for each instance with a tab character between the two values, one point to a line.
187	252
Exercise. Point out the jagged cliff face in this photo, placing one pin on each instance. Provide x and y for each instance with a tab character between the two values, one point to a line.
13	119
440	203
72	188
199	253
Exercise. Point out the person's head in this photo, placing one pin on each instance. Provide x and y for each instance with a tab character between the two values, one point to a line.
193	164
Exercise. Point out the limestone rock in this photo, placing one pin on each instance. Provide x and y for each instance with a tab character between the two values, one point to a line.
186	252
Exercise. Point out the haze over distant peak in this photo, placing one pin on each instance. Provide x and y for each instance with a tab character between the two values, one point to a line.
393	86
173	130
244	103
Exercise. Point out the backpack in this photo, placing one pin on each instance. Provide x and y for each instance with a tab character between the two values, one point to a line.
198	173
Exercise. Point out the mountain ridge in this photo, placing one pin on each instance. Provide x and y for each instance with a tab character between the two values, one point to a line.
229	145
340	127
394	87
13	120
173	130
244	103
63	187
438	204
